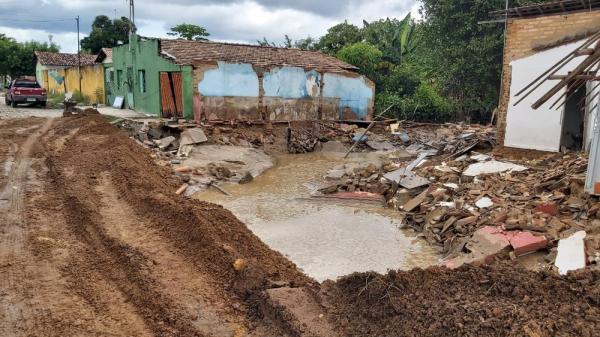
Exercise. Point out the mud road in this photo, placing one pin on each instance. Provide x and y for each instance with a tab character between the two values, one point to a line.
94	242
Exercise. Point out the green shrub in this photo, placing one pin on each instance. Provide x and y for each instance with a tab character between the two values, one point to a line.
55	100
425	105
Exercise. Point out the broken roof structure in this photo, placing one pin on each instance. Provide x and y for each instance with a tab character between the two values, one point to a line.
63	59
193	52
104	56
537	38
548	8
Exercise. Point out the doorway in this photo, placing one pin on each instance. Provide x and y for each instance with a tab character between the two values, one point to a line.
572	135
171	103
130	84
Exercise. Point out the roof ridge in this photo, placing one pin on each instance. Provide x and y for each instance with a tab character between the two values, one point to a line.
242	44
314	58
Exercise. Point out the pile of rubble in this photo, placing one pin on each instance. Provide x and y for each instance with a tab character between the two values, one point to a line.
201	156
477	207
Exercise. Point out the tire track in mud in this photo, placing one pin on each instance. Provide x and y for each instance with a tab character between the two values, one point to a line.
13	296
121	265
187	286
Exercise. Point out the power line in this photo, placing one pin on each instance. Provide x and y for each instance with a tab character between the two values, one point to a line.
27	20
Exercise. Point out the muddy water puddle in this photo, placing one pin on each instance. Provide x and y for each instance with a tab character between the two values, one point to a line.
326	239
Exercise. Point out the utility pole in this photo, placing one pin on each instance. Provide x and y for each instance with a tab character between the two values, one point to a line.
78	57
131	16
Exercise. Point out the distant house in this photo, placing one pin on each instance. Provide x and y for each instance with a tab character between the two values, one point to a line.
224	81
58	73
105	58
537	37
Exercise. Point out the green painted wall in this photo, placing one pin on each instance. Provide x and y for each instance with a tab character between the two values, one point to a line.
143	54
109	83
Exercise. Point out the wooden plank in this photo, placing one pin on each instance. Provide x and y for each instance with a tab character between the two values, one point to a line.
590	61
578	77
167	102
584	51
178	91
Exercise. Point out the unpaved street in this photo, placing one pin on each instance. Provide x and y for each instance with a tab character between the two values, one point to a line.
96	243
26	110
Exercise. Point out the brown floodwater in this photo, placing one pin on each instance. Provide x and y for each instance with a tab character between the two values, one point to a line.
326	239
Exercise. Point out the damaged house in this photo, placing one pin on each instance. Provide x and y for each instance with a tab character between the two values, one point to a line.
60	73
537	38
223	81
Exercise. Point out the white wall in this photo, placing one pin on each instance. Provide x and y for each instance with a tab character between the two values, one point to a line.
539	129
592	109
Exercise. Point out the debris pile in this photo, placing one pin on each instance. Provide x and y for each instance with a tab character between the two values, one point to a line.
498	300
478	207
201	157
300	141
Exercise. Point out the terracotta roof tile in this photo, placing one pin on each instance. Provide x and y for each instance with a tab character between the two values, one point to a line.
63	59
192	52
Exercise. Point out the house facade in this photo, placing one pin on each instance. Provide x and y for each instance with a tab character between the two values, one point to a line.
59	73
538	37
223	81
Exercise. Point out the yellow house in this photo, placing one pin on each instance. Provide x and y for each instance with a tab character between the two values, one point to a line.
59	73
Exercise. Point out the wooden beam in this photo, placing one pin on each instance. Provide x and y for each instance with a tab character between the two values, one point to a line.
555	68
588	62
518	12
539	7
578	77
584	51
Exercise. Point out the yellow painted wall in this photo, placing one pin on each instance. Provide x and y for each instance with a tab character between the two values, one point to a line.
92	82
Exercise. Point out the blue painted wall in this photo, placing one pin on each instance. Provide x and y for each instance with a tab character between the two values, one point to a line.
230	79
291	82
354	93
241	80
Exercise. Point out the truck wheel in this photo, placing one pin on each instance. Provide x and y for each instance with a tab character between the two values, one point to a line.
43	104
6	100
13	104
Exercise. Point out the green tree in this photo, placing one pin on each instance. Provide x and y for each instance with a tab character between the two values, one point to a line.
362	55
17	58
338	37
107	33
307	44
463	56
189	32
396	39
266	43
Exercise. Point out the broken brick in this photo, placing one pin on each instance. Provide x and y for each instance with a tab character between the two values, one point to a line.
547	208
525	242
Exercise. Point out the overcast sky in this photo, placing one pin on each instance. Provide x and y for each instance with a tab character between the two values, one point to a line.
226	20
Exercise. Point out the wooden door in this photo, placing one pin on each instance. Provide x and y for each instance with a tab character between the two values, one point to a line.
171	94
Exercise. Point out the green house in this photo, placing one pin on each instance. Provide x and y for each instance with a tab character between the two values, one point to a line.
136	73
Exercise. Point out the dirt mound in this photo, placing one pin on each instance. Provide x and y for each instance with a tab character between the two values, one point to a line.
180	267
488	301
209	234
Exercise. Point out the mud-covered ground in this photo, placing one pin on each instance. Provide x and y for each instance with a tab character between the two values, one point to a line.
94	242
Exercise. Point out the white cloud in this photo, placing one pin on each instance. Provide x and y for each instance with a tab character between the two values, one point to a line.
227	20
67	41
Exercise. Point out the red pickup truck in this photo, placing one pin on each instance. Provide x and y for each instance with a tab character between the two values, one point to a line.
25	91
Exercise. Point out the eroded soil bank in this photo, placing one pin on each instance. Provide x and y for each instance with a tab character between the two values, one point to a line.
96	243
